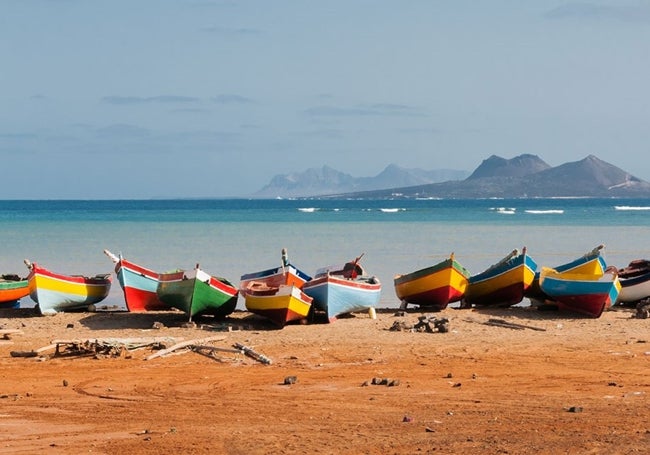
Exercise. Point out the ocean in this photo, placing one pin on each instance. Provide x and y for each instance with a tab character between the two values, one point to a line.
230	237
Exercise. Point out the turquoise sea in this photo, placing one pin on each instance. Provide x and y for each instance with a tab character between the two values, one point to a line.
236	236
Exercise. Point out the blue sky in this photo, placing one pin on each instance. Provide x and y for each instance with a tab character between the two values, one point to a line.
199	98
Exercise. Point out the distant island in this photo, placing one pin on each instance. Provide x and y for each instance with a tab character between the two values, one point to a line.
524	176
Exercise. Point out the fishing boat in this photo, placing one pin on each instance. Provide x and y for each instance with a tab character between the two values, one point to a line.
279	304
581	292
286	273
12	289
276	293
338	290
54	292
502	284
590	263
138	283
635	282
197	293
433	287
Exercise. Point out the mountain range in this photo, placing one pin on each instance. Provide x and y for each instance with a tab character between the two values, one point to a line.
522	176
326	180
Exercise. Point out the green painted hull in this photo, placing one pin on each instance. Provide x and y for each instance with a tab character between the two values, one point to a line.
198	295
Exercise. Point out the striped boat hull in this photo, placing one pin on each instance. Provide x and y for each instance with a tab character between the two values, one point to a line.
433	287
337	295
280	305
55	292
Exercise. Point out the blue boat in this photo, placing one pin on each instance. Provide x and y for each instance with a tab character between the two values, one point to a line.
338	290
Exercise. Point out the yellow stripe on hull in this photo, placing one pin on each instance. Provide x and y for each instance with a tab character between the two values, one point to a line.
521	274
66	287
449	277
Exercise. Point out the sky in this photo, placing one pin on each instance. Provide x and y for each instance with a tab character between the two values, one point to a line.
143	99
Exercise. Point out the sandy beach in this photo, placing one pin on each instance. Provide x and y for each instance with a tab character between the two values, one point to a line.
558	383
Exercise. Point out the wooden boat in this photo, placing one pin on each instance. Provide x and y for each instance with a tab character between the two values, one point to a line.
635	282
280	304
435	286
286	273
276	293
502	284
590	263
196	293
138	283
54	292
343	289
12	289
581	292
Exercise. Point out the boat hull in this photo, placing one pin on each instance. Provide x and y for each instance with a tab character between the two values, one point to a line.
338	295
197	293
275	277
503	284
434	286
12	289
581	293
54	292
140	286
280	305
635	282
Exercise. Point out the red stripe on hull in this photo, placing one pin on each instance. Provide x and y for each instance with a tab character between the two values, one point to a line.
436	298
139	300
590	305
280	316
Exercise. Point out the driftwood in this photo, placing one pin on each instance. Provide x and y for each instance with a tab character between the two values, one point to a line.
253	354
184	344
507	325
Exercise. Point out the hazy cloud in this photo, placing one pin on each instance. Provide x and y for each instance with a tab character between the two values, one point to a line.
122	131
18	136
226	31
163	99
581	10
231	99
380	109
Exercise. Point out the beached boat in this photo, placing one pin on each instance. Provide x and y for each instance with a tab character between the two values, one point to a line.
276	293
197	293
279	304
581	292
12	289
433	287
286	273
502	284
338	290
138	283
590	263
635	282
54	292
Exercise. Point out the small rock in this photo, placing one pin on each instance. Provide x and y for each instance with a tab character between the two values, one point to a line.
69	326
575	409
158	325
429	430
457	384
65	383
376	381
290	380
365	384
393	383
407	418
189	325
449	375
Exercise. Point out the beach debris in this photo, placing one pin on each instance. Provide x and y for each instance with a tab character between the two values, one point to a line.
382	381
6	334
250	352
642	309
506	324
407	419
185	344
157	325
290	380
98	347
575	409
65	383
426	323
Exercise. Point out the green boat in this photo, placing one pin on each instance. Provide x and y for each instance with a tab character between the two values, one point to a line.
197	293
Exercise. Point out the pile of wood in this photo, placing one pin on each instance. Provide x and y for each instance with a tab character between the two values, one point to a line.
97	347
426	323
